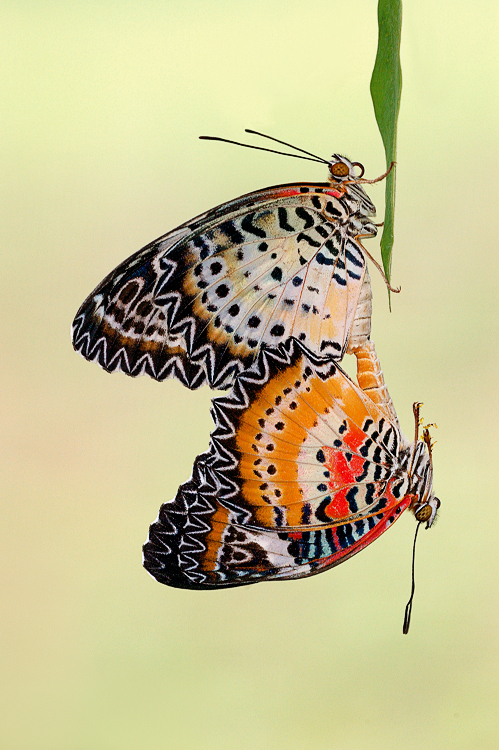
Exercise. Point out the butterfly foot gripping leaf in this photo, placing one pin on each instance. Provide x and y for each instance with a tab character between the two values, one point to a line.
200	302
304	470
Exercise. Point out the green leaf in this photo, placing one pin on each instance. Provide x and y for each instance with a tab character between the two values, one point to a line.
386	89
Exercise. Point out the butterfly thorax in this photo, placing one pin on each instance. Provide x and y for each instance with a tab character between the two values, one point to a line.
419	468
355	199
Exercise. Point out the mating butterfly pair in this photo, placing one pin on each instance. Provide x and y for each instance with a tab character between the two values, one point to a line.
266	294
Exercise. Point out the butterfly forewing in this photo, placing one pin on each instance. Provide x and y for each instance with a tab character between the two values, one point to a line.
303	471
200	302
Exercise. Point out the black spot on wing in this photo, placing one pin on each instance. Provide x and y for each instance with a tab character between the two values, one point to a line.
282	215
277	330
204	248
232	232
248	226
327	344
331	247
353	275
353	259
323	261
345	535
321	230
306	238
277	273
332	210
305	216
350	498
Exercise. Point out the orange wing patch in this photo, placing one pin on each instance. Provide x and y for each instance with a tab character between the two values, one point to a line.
282	438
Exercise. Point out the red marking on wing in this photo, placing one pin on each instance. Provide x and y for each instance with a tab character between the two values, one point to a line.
338	507
342	475
296	191
341	471
353	437
367	539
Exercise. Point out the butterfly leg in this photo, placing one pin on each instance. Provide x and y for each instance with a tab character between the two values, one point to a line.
396	290
371	380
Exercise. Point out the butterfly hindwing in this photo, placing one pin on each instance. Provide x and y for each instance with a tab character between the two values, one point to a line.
198	544
303	470
200	302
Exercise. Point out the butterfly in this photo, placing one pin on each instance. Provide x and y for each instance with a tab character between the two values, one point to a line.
305	468
201	301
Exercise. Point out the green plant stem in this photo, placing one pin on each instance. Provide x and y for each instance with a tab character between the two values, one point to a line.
386	89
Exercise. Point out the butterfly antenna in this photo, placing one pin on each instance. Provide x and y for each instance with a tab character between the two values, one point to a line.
259	148
283	143
376	179
408	608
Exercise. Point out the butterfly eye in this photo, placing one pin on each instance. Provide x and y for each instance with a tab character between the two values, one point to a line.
424	513
339	169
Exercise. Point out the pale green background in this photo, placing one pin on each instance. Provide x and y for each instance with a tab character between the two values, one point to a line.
103	103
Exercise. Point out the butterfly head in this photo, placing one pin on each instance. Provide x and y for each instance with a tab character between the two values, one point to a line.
427	511
344	170
346	176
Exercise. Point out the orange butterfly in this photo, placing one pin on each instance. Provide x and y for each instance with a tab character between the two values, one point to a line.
305	468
